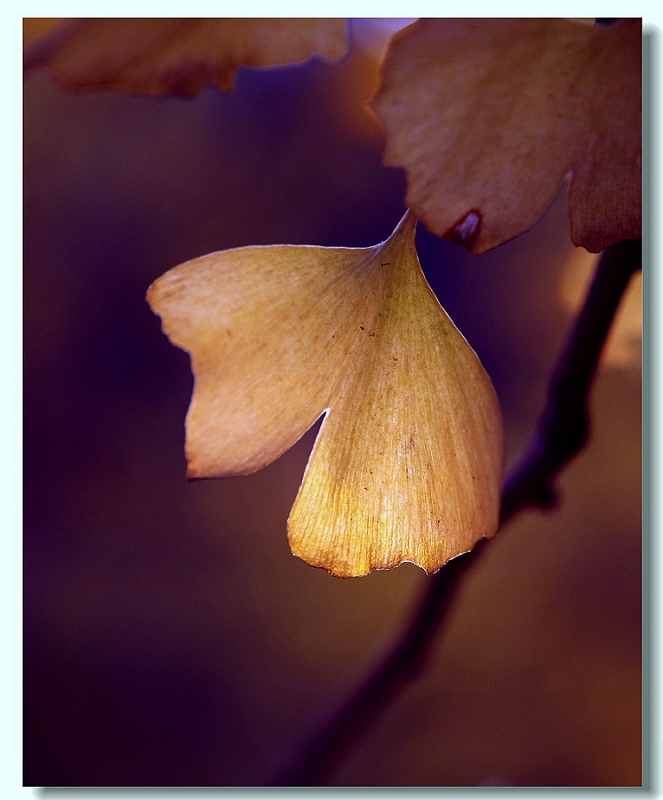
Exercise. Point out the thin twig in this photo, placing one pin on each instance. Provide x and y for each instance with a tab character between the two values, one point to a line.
562	431
563	427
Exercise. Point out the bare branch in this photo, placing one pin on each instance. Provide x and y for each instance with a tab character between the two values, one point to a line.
562	431
563	427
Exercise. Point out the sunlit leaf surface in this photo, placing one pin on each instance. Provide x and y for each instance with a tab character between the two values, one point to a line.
489	116
407	465
182	56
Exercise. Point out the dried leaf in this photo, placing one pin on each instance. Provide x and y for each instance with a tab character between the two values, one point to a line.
488	116
182	56
36	27
407	465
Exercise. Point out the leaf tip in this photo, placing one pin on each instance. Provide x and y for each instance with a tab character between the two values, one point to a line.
192	474
466	230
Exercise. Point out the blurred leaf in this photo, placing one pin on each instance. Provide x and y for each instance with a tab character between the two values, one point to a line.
488	116
360	73
407	465
36	27
182	56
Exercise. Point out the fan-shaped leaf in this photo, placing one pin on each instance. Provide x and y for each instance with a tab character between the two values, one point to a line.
182	56
407	465
488	116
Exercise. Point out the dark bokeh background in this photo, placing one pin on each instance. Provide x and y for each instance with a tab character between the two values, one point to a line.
170	636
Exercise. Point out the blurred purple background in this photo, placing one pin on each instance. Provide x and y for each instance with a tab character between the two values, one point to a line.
170	636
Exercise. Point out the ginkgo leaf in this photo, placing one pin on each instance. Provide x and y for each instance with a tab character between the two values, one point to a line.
407	465
489	116
35	28
182	56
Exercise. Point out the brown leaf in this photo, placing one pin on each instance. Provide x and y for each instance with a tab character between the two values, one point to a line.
407	465
182	56
488	116
36	27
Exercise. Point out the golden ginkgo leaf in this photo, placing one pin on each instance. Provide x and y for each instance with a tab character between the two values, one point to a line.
489	116
407	465
182	56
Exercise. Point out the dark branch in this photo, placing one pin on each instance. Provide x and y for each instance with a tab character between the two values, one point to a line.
562	431
563	427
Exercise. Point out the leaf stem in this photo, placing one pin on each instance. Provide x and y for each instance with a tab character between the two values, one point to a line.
562	431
